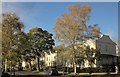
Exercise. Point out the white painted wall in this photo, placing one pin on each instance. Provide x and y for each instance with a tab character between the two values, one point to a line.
50	59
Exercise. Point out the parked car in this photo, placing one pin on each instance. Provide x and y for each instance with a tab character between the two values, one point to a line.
51	71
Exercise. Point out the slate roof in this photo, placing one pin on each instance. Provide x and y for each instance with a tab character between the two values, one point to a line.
106	39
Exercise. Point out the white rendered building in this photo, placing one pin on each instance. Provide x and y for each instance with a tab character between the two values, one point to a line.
50	59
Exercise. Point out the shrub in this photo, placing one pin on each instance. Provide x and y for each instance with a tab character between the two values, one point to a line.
5	75
60	68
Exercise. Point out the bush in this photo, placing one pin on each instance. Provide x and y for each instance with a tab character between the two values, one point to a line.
5	75
70	69
98	69
87	70
20	68
60	68
65	69
41	70
108	69
34	67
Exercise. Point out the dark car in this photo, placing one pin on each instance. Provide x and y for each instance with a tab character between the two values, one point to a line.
54	71
51	71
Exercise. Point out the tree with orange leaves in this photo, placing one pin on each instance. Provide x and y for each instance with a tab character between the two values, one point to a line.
71	28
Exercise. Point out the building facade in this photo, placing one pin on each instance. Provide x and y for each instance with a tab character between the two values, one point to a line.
107	52
50	59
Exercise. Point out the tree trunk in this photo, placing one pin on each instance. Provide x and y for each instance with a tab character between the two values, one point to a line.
6	65
74	59
30	66
75	66
38	64
74	63
90	69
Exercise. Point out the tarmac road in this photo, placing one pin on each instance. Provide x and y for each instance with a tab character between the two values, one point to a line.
37	74
31	74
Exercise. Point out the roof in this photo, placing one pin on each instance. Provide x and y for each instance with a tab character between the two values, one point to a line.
106	39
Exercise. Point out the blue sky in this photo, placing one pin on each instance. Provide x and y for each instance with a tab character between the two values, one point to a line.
44	15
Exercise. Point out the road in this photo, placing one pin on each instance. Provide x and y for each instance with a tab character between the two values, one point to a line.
31	74
37	74
27	73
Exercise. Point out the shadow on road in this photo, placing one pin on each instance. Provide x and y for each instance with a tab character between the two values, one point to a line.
34	76
7	75
60	75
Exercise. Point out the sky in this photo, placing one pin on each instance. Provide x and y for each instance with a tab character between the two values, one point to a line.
60	0
44	14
